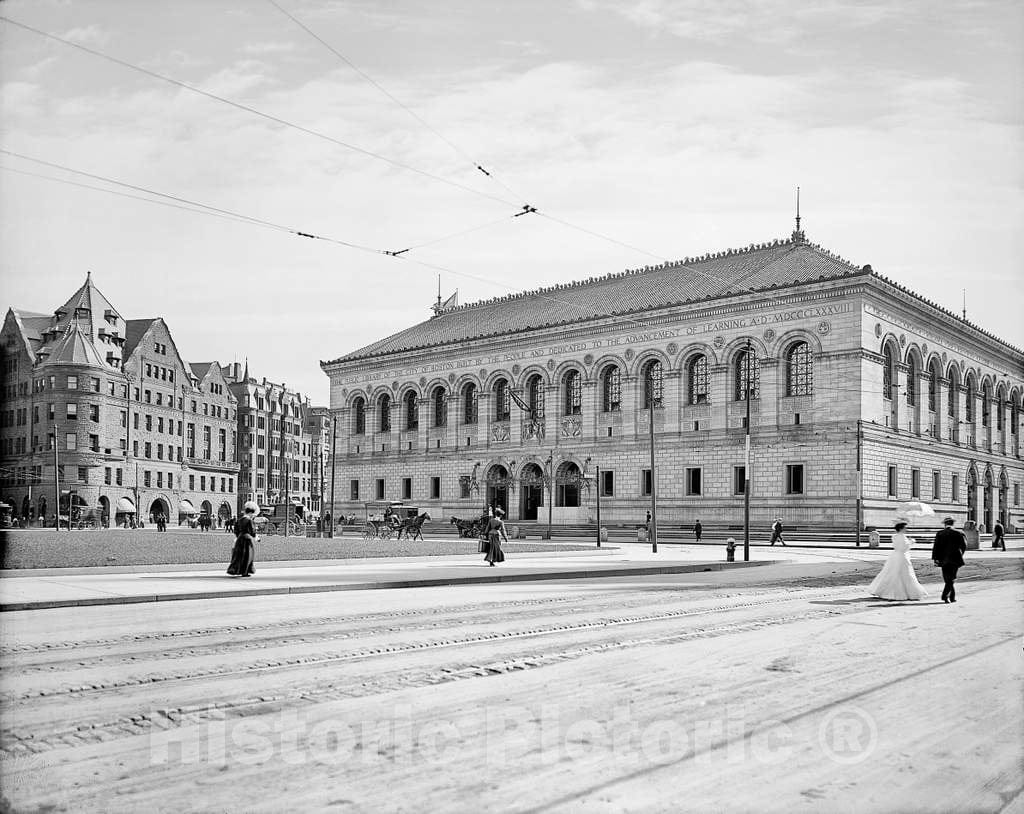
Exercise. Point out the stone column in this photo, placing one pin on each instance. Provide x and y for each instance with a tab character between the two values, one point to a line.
483	420
939	418
898	398
631	395
720	395
920	411
674	399
772	388
591	410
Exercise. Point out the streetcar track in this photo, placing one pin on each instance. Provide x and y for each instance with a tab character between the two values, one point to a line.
398	649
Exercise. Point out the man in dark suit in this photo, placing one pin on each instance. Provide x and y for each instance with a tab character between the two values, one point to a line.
948	554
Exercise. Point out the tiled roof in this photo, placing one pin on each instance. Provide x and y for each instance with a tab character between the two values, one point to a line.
738	271
75	348
200	369
134	330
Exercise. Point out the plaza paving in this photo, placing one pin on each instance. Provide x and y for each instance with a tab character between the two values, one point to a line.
781	687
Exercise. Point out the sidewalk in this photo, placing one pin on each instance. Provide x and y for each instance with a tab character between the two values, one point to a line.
56	588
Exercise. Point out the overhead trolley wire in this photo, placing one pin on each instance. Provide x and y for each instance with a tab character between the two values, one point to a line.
199	208
268	116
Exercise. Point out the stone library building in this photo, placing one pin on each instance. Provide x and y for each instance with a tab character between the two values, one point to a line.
860	393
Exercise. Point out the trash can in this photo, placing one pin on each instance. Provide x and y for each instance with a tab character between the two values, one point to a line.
874	538
641	535
603	534
730	550
971	535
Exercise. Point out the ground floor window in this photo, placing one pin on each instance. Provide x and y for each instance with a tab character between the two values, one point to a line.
645	482
380	488
406	489
435	488
936	485
915	483
956	488
694	480
739	480
353	490
892	481
794	479
607	483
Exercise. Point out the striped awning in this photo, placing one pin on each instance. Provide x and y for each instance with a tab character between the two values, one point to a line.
186	507
125	506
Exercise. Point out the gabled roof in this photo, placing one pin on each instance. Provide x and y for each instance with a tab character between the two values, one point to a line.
134	330
712	276
87	297
75	348
200	369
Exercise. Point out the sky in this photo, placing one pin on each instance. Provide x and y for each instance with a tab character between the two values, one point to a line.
641	130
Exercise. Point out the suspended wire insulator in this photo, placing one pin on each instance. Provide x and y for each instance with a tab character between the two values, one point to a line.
304	234
395	254
483	170
527	209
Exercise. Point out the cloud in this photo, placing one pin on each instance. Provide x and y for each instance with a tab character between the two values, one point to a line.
261	48
87	35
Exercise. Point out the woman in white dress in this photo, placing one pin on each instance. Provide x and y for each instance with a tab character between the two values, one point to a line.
897	579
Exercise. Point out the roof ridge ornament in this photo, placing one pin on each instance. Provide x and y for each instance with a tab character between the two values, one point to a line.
798	236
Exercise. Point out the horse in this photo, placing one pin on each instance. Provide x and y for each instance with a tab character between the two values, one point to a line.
412	526
467	528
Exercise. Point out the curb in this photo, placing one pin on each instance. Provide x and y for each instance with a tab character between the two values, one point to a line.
384	585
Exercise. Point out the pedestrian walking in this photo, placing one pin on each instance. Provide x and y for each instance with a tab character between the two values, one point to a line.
243	554
948	554
897	579
777	531
495	532
698	530
998	538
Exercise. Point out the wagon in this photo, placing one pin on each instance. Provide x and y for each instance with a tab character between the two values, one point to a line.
377	527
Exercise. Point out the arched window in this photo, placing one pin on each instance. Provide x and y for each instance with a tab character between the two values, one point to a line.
502	400
986	404
412	411
912	377
359	409
440	407
888	371
933	387
611	389
1014	415
799	370
653	384
535	395
747	375
1000	401
969	406
470	404
385	413
697	380
573	393
953	396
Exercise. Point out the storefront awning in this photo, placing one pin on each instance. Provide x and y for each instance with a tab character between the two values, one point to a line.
125	506
186	507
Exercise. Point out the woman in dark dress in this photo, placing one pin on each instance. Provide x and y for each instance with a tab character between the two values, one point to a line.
495	531
243	554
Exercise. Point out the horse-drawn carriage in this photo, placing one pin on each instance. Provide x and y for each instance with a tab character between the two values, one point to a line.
386	519
471	529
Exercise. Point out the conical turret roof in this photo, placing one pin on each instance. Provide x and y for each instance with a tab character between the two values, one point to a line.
75	348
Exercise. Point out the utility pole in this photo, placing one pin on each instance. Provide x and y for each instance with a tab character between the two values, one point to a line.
746	469
551	489
334	463
654	480
56	483
597	476
860	484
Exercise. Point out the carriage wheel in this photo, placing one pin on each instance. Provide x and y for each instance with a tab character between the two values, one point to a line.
369	531
386	532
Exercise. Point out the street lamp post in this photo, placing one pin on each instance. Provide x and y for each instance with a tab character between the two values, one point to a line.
597	476
56	483
334	463
746	468
654	481
549	464
860	484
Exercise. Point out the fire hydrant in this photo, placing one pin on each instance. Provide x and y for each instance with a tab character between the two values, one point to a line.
730	550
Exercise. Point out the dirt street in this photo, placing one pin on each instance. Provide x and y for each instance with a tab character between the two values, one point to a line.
768	691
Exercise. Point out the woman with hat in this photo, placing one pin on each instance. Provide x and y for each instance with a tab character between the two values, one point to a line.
243	554
897	579
495	530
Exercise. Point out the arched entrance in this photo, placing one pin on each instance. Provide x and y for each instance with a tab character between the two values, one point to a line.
41	514
567	485
972	495
206	508
158	506
497	481
223	513
104	510
26	508
531	491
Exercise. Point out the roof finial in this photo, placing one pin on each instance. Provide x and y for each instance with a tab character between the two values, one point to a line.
798	235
